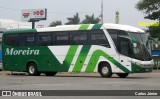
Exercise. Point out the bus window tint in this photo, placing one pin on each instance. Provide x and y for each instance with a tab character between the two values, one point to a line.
62	39
98	38
124	48
79	38
27	39
44	39
136	36
114	35
12	39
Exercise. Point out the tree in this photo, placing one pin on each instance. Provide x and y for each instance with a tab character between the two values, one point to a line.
55	23
155	31
90	20
151	8
74	20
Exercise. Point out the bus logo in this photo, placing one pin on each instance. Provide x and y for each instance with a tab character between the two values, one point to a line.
28	51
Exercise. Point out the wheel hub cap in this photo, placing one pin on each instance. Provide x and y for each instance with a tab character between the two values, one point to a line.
105	70
31	69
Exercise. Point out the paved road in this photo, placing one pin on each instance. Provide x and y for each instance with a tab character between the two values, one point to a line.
81	81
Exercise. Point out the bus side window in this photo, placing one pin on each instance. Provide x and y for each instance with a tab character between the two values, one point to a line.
124	47
79	38
53	39
43	39
28	39
62	38
12	39
114	36
121	32
97	37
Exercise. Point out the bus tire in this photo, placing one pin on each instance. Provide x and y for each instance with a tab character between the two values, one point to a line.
32	70
50	73
122	75
105	70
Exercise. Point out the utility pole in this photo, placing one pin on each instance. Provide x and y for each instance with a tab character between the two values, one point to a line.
102	11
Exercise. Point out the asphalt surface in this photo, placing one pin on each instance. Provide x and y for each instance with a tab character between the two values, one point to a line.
80	81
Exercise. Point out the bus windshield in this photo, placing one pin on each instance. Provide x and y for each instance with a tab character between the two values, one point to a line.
140	52
140	37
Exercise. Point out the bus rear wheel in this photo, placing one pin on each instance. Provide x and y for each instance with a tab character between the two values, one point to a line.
105	70
32	70
123	75
50	73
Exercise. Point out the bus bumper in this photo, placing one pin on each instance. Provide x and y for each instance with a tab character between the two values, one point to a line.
141	68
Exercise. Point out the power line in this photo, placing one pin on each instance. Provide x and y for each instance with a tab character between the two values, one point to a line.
53	12
10	8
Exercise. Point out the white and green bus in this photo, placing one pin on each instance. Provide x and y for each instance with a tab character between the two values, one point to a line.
104	48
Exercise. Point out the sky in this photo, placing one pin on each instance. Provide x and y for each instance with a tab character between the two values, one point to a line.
62	9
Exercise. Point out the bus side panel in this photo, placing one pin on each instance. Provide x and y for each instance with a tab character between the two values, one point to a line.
46	61
10	60
55	58
99	54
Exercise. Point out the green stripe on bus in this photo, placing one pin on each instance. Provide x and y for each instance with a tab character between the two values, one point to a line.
81	58
95	57
70	55
84	27
21	31
96	26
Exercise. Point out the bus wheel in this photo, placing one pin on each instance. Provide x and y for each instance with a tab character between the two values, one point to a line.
123	75
50	73
32	70
105	70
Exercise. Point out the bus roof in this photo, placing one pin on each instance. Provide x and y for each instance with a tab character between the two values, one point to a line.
19	31
79	27
123	27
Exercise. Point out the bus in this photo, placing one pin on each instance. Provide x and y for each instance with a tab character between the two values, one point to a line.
91	48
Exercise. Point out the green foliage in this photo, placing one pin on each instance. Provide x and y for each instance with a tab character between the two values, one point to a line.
76	20
73	20
155	31
150	7
55	23
90	20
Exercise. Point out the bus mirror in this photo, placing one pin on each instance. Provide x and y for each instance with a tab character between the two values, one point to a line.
156	45
134	44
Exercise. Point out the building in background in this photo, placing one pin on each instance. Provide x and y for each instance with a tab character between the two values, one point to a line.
13	24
